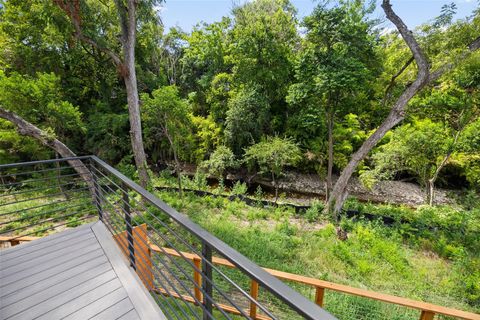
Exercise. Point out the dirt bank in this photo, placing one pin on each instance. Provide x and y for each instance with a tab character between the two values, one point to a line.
396	192
302	188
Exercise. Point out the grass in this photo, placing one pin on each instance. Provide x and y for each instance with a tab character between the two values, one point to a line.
431	265
38	210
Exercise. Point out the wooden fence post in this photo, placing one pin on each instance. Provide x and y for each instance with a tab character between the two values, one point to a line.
319	294
142	252
427	315
197	277
254	295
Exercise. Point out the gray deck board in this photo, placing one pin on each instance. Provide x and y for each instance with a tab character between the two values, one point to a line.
36	300
18	272
66	267
75	274
29	247
44	251
117	310
132	315
39	287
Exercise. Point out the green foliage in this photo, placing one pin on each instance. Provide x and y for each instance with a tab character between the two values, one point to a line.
415	148
272	155
108	136
220	160
239	188
207	135
265	35
39	100
247	118
167	122
374	256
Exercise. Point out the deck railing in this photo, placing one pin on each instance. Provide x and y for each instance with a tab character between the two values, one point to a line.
191	273
46	196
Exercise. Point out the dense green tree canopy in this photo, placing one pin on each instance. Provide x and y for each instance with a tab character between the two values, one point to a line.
323	81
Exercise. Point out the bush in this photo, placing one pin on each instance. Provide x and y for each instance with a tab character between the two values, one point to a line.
239	188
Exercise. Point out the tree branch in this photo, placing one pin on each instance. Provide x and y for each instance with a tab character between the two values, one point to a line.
72	9
394	77
25	128
407	35
473	46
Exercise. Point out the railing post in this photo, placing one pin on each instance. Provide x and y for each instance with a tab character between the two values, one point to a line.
197	277
98	200
207	280
254	295
128	227
427	315
319	294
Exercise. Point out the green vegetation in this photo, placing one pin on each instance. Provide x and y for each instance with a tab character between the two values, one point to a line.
265	92
438	266
242	80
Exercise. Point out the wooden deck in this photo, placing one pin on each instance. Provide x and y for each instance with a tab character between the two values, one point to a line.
76	274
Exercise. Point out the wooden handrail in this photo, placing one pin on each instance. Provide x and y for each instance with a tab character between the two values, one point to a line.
428	310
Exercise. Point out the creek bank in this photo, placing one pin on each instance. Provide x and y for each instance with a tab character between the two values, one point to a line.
303	188
300	209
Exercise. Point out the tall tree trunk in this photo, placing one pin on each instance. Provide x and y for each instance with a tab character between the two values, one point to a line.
397	113
126	68
128	23
330	152
25	128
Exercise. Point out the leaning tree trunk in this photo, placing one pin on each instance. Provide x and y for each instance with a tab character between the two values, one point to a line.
25	128
397	113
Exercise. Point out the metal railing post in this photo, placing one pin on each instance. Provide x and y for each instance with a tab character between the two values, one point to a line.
128	227
98	200
206	284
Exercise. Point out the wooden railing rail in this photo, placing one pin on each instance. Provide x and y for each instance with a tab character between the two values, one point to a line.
427	310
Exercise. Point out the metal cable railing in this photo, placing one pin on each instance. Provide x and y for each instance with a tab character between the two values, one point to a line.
42	197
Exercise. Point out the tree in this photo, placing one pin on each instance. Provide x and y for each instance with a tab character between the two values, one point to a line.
204	58
421	148
26	100
264	37
167	116
40	100
127	14
220	160
336	65
455	105
272	155
247	118
397	113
